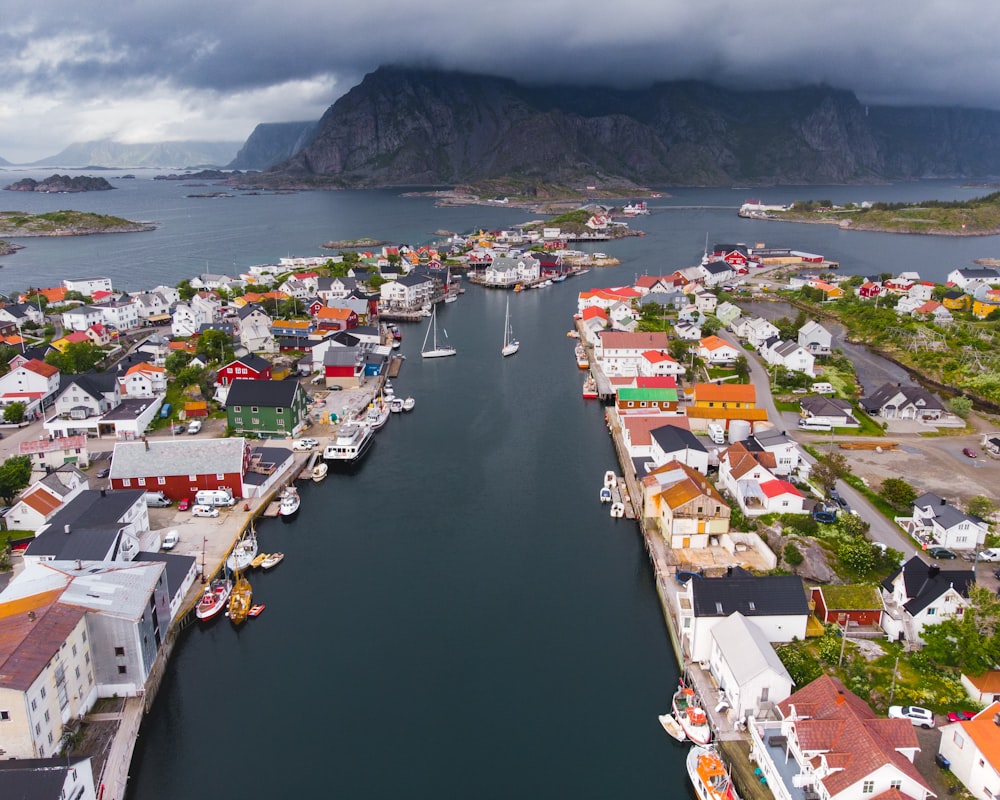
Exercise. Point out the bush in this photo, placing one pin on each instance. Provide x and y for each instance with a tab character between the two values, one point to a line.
792	555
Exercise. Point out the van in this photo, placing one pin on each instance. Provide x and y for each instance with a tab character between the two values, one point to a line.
823	388
815	425
214	497
156	499
716	433
170	539
165	410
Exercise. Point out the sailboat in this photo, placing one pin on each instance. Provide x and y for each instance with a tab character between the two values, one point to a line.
436	351
510	344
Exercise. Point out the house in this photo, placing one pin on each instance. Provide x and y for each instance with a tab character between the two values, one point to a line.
935	311
255	329
33	383
81	318
869	289
983	688
637	436
778	497
142	380
907	305
741	473
48	778
755	330
724	395
45	681
621	351
50	454
122	315
790	355
20	313
828	410
250	367
973	748
687	331
508	270
407	293
982	308
706	301
657	364
935	521
919	594
101	335
716	273
330	318
688	510
746	667
182	466
896	401
955	300
783	454
829	744
859	605
152	307
717	351
646	401
671	443
775	603
40	501
964	277
87	286
82	402
343	366
267	408
815	338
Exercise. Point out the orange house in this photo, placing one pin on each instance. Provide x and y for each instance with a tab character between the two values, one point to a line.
725	395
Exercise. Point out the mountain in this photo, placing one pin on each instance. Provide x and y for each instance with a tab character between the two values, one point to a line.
117	155
4	162
271	143
404	126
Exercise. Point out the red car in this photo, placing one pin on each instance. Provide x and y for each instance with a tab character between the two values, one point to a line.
968	451
960	716
184	504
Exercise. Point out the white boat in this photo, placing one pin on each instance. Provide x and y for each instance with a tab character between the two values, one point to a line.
671	726
214	598
319	471
351	442
408	404
290	501
272	560
605	494
378	413
435	351
395	405
691	716
243	554
709	775
617	510
635	209
450	298
510	344
610	479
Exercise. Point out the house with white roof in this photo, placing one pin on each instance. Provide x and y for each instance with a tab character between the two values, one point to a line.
815	338
755	330
746	667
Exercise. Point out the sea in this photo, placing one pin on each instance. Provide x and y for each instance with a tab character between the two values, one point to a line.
459	617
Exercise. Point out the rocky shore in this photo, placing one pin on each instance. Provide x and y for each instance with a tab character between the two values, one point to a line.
17	224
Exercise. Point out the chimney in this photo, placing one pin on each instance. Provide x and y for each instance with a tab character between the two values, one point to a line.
104	492
996	719
79	564
66	529
841	699
933	570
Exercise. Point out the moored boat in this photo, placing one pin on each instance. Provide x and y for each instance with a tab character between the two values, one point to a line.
510	344
214	598
319	471
259	559
351	443
436	350
582	360
378	413
590	388
691	716
243	553
255	610
240	600
635	209
617	510
605	494
408	404
672	726
396	405
610	479
272	560
709	775
290	501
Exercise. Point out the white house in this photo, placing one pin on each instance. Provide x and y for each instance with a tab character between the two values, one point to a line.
49	454
151	304
714	350
81	318
779	497
407	293
671	443
40	501
973	748
918	594
658	363
755	330
935	521
746	667
506	270
255	329
741	473
621	352
143	380
963	277
790	355
815	338
687	331
33	383
87	286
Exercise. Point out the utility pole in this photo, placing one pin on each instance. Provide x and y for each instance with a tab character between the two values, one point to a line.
892	688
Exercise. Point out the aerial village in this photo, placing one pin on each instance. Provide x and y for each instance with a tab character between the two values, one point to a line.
155	427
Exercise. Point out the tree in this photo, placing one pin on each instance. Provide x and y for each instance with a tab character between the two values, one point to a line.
970	642
15	473
961	405
185	290
853	525
829	469
176	361
14	412
898	493
742	368
79	357
858	555
215	346
188	376
981	507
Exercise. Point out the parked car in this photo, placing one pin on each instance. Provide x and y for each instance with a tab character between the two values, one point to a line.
170	539
940	552
968	451
195	426
990	554
827	517
305	443
103	472
204	511
179	429
184	504
156	500
839	500
918	716
960	716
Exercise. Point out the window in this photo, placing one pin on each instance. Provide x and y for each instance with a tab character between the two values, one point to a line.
84	636
122	669
76	669
279	410
193	479
34	704
868	787
161	481
86	658
47	715
931	611
38	729
74	650
141	481
119	651
220	476
254	409
126	482
237	409
4	716
42	692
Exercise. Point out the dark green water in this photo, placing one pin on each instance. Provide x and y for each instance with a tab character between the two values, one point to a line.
459	618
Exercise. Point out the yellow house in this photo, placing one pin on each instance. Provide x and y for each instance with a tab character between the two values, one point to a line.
982	308
956	301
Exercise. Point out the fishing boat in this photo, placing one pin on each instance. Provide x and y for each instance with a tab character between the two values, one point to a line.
617	510
214	598
259	559
436	350
319	471
351	443
272	560
559	278
240	600
408	404
582	361
709	775
635	209
672	726
605	494
290	501
510	344
243	554
691	716
590	388
378	413
396	405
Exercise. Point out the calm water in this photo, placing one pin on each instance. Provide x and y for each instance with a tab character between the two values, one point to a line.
459	618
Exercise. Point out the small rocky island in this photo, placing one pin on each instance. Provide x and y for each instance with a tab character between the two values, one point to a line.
61	183
66	223
8	249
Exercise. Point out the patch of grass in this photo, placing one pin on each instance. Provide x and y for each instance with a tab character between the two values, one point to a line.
787	405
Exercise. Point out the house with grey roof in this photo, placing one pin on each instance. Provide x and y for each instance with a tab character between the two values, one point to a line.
965	276
815	338
790	355
48	778
936	522
673	443
899	401
81	402
255	332
746	667
822	409
182	466
920	594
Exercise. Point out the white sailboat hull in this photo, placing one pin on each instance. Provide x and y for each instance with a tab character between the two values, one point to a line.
439	352
510	349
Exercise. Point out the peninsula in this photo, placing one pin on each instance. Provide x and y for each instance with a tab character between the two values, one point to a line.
66	223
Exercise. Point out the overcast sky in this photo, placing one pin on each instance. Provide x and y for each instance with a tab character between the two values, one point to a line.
155	70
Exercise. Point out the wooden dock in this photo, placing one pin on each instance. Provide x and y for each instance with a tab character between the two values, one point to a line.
395	365
620	494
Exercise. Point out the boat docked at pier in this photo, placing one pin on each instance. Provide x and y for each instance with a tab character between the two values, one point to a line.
240	601
709	775
214	599
672	726
691	716
378	413
350	443
582	360
590	388
635	209
290	501
243	554
272	560
319	471
409	403
395	405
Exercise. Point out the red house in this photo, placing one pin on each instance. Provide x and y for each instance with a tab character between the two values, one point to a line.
250	366
862	605
869	289
336	319
181	466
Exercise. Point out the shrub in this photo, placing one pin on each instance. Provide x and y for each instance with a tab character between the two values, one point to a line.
792	555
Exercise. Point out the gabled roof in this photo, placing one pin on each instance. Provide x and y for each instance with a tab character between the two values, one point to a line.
39	498
251	308
672	439
983	731
38	778
945	514
746	649
93	518
40	368
32	630
911	394
923	584
725	392
641	341
251	361
776	488
715	343
272	394
751	595
182	455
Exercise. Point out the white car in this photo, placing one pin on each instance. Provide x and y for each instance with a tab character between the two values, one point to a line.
170	539
305	444
204	511
195	426
921	717
991	554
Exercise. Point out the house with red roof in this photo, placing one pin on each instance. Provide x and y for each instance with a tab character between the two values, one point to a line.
835	747
143	380
869	289
621	351
659	363
781	497
741	473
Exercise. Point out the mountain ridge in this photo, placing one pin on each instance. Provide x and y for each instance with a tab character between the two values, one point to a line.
109	154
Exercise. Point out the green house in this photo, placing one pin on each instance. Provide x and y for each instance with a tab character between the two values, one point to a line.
267	408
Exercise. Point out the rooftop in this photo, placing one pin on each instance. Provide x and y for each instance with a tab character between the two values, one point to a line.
179	456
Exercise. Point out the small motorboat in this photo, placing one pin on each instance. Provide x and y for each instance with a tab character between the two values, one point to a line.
709	775
672	726
272	560
259	559
610	479
289	501
605	494
590	389
378	413
395	405
617	510
319	471
408	404
255	610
